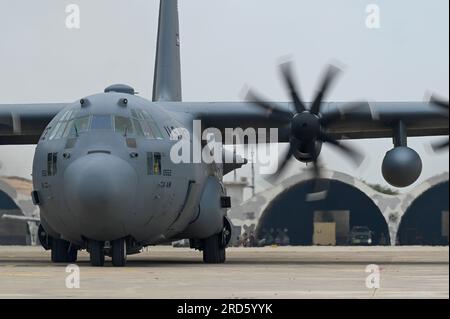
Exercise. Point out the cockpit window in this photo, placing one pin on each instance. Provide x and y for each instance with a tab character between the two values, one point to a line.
146	129
73	123
66	116
55	131
149	126
77	127
82	124
133	113
139	130
122	125
68	129
101	122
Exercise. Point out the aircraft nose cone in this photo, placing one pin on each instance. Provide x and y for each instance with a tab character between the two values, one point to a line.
100	189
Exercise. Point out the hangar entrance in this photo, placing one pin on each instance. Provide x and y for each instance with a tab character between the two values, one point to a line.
331	228
426	220
329	221
12	232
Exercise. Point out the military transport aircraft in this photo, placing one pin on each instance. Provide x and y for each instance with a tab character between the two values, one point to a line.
104	181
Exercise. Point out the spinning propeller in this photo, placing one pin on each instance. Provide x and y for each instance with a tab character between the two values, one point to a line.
437	147
308	125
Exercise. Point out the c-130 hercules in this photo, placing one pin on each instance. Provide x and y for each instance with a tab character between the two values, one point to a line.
104	181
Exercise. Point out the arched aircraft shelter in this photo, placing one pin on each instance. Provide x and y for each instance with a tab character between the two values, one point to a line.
425	221
12	232
15	199
345	207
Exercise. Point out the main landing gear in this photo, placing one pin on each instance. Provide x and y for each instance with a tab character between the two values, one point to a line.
97	253
63	251
213	250
214	247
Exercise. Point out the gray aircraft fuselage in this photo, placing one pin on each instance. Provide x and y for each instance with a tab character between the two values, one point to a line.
104	172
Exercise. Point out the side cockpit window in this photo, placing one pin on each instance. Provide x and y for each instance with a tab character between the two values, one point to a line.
140	129
58	129
146	125
54	131
123	126
146	129
69	125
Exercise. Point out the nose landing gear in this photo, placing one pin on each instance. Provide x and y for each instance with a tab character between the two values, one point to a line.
97	253
119	252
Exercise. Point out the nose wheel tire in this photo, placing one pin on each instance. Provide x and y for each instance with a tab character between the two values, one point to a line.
119	252
63	252
97	253
214	250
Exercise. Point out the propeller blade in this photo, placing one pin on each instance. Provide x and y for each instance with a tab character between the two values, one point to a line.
340	113
438	102
282	167
11	123
440	146
330	76
285	160
353	154
320	188
315	160
286	71
272	110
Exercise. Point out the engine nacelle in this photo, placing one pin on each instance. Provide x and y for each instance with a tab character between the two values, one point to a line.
402	166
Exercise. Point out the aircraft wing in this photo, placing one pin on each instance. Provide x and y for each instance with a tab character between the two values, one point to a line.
24	123
369	120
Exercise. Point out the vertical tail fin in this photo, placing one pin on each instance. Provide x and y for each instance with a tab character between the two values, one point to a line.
167	80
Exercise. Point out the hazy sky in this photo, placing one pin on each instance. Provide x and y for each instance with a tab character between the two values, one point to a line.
225	45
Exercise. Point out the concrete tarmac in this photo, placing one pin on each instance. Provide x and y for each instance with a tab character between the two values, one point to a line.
288	272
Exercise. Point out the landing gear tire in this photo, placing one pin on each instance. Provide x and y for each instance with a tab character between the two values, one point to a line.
214	250
63	252
119	252
97	253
